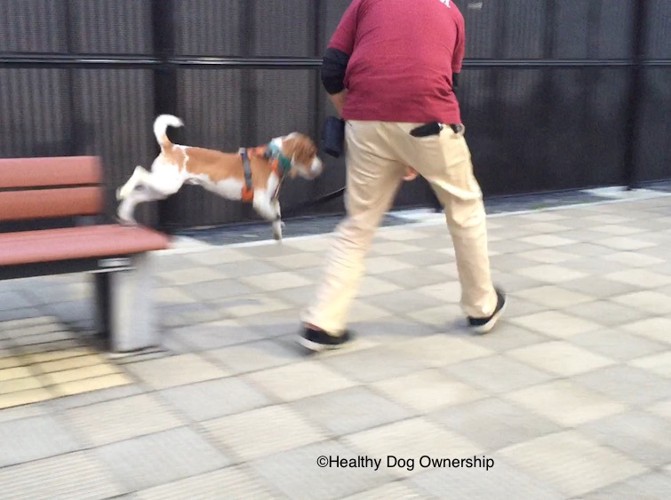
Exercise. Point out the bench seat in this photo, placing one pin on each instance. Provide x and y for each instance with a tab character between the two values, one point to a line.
72	243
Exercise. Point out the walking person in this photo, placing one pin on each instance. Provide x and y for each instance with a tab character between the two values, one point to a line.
390	70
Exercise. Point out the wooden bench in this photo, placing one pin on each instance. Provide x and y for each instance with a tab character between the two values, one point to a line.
52	222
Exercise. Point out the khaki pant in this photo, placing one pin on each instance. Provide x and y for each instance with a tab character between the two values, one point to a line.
377	155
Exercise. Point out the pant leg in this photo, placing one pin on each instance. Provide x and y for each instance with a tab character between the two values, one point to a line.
445	161
373	178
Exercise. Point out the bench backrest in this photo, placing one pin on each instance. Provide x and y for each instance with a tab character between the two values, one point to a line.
46	188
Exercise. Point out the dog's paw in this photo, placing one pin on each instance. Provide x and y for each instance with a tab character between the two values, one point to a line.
277	230
122	193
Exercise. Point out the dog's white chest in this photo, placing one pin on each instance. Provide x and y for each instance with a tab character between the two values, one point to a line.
228	188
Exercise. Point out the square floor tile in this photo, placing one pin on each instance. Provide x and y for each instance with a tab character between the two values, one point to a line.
653	328
627	384
643	437
236	482
565	402
73	475
555	324
174	454
295	473
262	432
410	439
427	390
300	380
120	419
493	423
571	463
214	398
497	374
350	410
175	370
560	358
659	364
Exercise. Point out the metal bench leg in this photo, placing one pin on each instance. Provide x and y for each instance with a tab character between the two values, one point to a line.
126	308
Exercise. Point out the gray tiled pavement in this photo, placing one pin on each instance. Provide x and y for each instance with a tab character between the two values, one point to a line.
570	396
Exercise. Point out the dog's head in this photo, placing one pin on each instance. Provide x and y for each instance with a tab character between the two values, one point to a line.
302	153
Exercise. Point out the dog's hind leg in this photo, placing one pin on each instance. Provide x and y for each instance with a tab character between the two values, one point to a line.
124	191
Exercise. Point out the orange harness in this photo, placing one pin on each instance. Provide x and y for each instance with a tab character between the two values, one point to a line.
249	154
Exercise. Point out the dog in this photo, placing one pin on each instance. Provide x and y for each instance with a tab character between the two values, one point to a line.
251	175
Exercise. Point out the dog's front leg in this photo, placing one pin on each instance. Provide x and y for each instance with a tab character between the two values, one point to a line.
269	210
277	223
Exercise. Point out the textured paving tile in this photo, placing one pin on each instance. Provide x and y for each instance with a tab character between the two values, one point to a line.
263	431
254	356
440	350
500	481
553	296
571	463
659	364
627	384
649	301
653	328
606	312
410	439
616	344
565	402
373	364
497	374
232	482
176	370
296	474
426	390
33	438
560	358
643	437
397	489
213	335
214	398
350	410
300	380
120	419
493	423
90	384
652	486
159	458
642	278
555	324
75	475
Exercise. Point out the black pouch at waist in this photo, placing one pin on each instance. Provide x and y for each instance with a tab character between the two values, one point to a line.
333	136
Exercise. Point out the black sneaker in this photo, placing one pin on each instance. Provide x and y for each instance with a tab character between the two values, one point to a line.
483	325
319	340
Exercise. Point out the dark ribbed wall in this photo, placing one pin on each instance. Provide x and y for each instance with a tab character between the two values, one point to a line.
546	91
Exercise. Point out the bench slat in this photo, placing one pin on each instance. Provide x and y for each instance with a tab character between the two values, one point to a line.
50	203
102	241
44	172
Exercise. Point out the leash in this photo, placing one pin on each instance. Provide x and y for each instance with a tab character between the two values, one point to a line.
292	211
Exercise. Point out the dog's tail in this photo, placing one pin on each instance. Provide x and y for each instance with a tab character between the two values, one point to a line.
160	126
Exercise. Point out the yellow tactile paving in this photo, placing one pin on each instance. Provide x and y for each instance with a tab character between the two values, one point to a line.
83	373
70	363
91	384
24	397
40	376
12	373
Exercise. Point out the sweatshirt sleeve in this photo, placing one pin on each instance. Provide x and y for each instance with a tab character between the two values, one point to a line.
345	34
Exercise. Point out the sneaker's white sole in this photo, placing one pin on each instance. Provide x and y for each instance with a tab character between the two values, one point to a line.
487	327
317	347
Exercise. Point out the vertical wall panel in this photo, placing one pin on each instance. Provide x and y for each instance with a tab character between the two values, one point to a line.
211	27
110	26
35	118
32	26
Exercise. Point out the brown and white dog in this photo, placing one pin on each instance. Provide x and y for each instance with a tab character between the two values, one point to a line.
252	175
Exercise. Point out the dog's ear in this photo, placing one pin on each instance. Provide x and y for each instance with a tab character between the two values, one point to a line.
300	148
